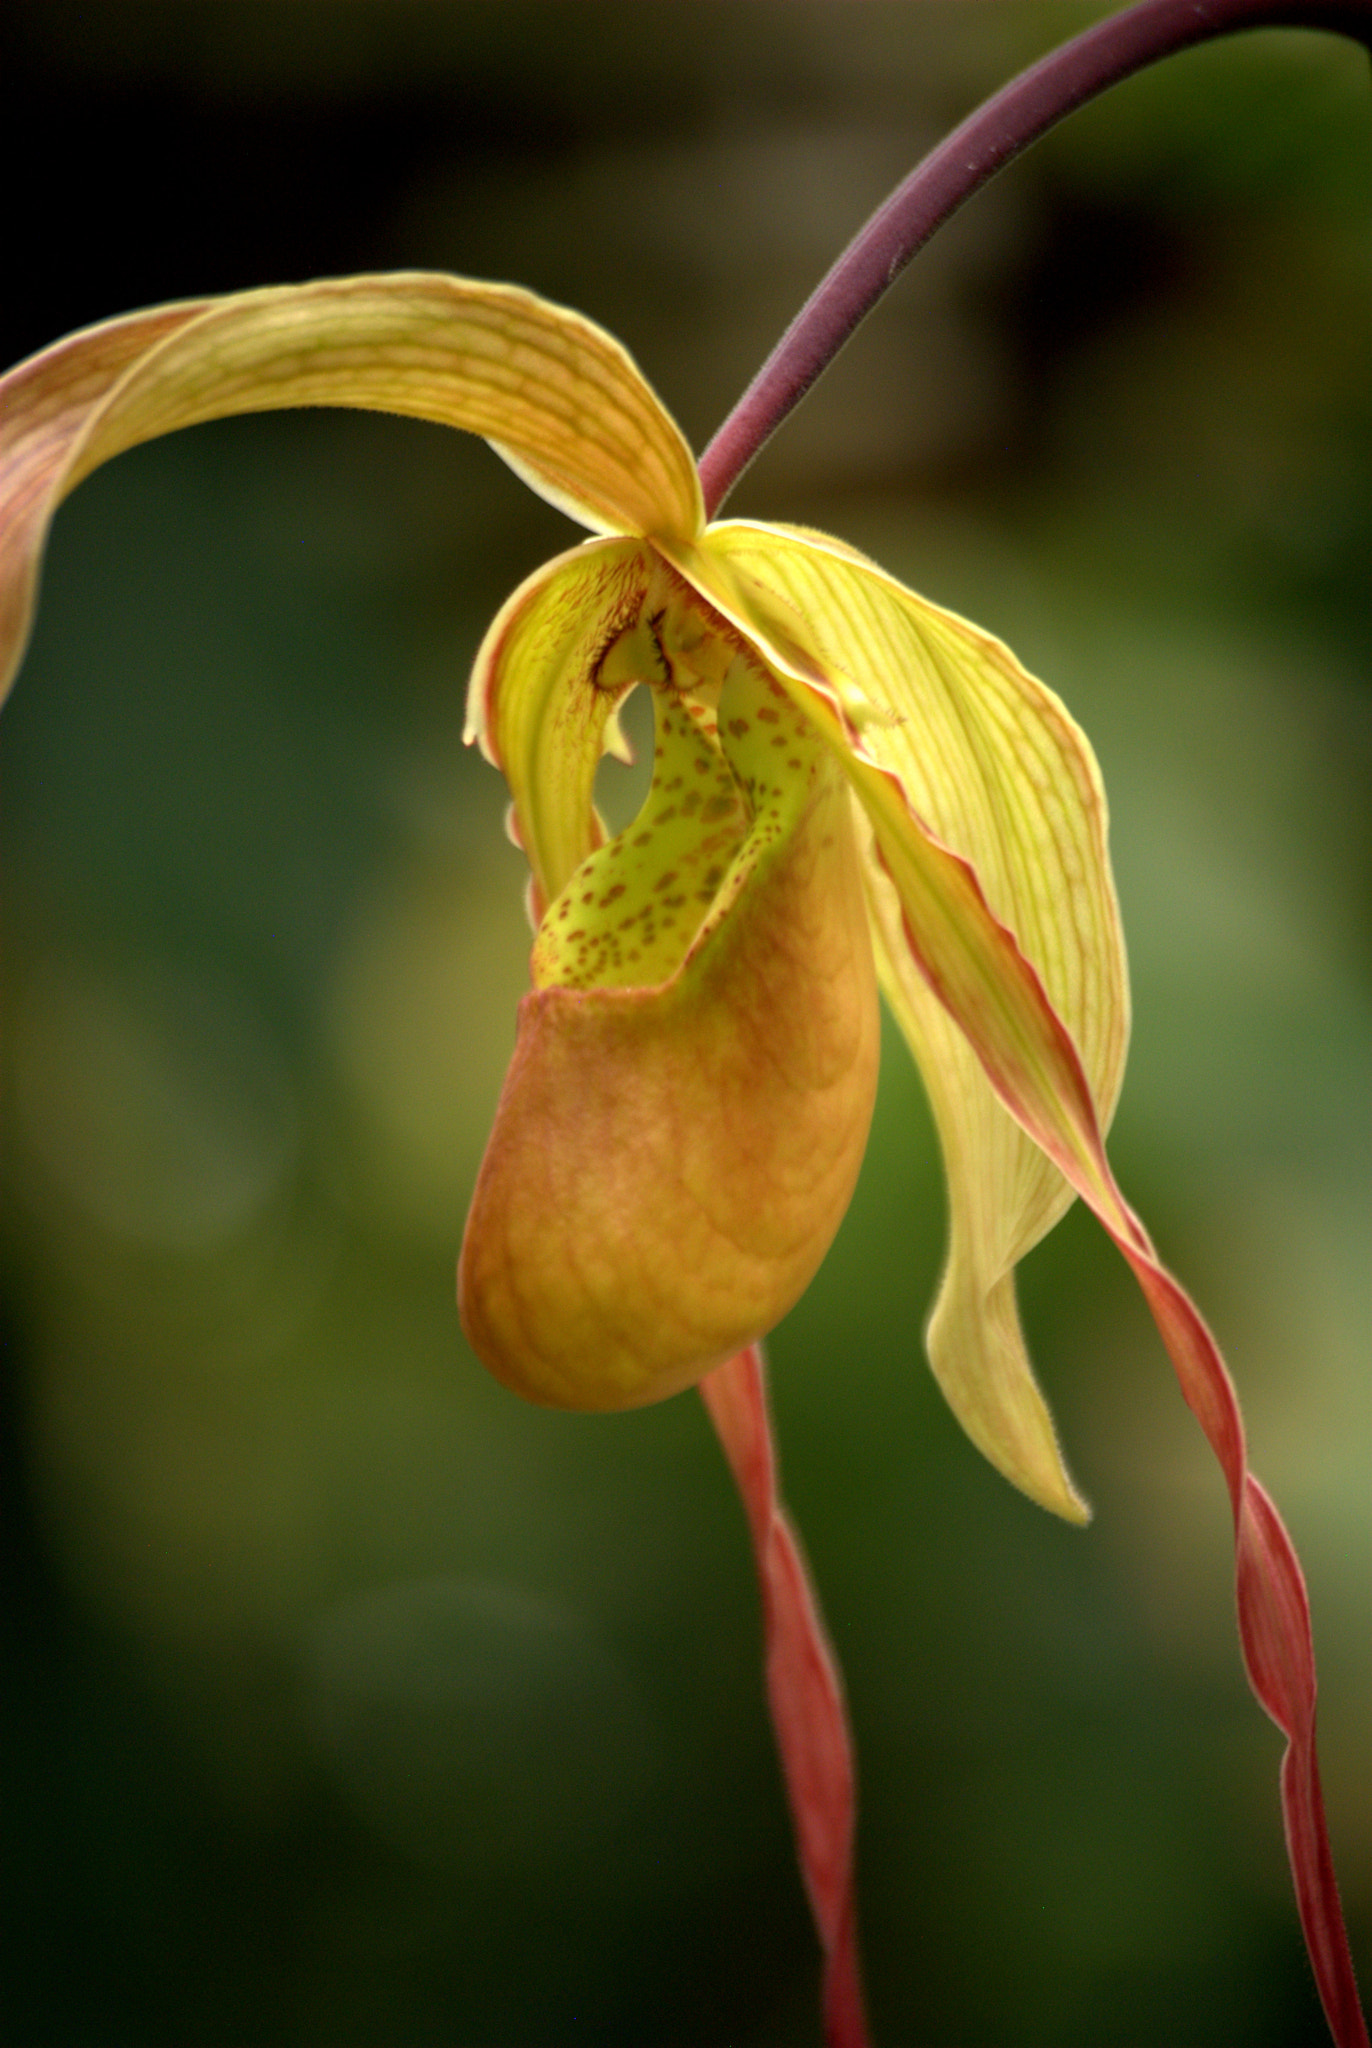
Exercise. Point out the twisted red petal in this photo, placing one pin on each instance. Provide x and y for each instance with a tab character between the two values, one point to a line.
803	1688
1274	1629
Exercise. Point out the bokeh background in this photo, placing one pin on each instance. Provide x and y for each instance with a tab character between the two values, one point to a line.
352	1702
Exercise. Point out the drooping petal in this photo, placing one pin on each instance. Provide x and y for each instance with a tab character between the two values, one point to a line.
804	1690
975	966
962	758
1274	1622
559	397
669	1162
975	1342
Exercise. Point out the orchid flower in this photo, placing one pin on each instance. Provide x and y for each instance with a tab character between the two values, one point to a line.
852	790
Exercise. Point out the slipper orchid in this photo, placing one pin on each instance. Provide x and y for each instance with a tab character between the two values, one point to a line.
851	788
850	785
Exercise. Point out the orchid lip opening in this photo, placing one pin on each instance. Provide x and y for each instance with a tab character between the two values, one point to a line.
695	1072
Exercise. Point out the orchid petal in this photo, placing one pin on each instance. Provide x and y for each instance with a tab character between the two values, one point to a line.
973	963
559	398
804	1690
988	809
975	1343
540	708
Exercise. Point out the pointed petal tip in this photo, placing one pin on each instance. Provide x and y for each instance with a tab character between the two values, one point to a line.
978	1356
1051	1490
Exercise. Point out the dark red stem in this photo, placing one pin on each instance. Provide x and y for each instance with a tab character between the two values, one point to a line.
987	140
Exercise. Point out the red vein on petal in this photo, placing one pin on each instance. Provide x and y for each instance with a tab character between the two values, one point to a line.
804	1690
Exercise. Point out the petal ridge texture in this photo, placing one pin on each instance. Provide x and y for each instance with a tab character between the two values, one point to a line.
561	399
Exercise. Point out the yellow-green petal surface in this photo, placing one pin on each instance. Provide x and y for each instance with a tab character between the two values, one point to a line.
542	705
997	936
559	397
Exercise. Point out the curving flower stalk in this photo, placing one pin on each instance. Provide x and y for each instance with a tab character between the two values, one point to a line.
851	789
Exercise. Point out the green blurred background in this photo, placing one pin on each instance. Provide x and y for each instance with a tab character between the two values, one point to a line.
352	1702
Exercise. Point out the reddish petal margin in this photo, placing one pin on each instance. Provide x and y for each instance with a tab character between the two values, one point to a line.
1029	1058
1274	1629
803	1688
1273	1610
